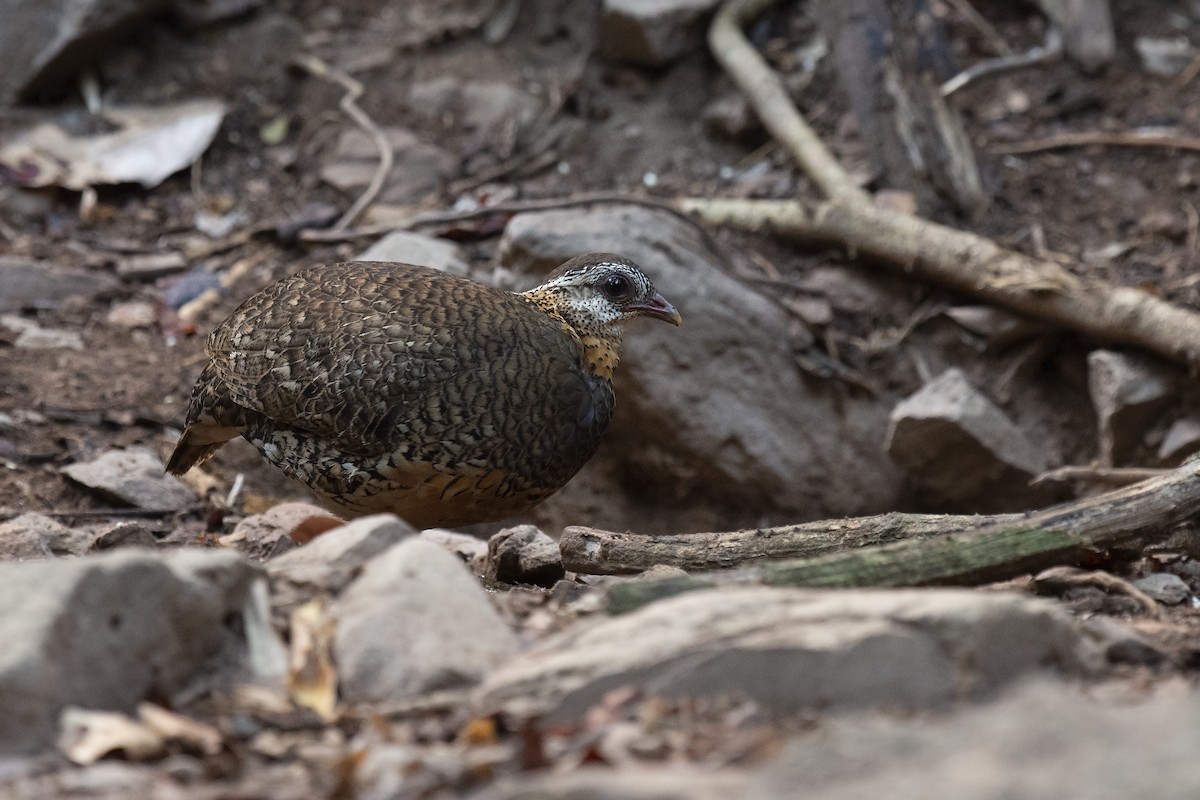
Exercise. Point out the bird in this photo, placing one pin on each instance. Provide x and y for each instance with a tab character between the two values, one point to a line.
390	387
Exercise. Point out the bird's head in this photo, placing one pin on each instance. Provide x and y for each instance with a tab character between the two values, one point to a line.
597	293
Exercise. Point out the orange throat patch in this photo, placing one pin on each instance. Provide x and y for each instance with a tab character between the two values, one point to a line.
600	356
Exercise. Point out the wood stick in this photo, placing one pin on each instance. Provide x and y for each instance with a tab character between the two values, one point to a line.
597	552
974	265
1059	535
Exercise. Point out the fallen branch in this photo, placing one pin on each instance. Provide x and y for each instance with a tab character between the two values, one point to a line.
1145	138
1062	534
964	261
350	107
597	552
974	265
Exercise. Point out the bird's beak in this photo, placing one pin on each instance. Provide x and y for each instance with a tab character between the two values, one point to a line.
658	307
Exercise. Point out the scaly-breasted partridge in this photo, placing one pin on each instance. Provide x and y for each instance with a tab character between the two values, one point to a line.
391	387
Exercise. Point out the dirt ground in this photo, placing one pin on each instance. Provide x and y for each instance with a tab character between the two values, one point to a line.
1123	214
1127	215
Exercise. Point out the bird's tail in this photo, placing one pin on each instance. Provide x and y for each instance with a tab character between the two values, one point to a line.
213	419
197	445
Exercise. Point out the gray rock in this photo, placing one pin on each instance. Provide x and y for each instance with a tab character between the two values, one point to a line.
39	285
1045	742
1121	643
122	534
1182	440
43	44
524	555
652	33
1128	391
480	108
419	168
962	450
471	549
1165	58
627	783
279	529
416	248
792	649
334	558
31	336
415	620
107	631
714	413
30	536
1164	587
135	476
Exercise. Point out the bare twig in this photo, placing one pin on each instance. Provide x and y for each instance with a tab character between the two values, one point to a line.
1144	138
1061	578
1042	54
769	98
1112	476
981	24
349	105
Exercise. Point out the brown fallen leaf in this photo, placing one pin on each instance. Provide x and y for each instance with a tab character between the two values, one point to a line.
193	735
312	679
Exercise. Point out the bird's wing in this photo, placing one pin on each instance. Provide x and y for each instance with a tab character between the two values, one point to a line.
383	357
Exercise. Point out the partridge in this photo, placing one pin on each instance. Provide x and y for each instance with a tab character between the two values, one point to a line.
392	387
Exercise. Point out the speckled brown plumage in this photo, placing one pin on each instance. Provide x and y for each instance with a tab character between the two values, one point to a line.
390	387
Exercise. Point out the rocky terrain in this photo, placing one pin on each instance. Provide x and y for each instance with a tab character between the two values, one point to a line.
221	636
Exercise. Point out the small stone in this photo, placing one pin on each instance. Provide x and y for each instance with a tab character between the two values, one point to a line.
280	529
1128	393
30	536
415	248
962	449
148	266
123	534
652	33
524	554
1165	58
31	336
1181	441
132	314
1168	589
731	117
415	621
135	476
1121	643
471	549
43	286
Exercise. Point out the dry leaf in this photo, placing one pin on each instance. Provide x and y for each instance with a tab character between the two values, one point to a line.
88	736
312	680
194	735
151	144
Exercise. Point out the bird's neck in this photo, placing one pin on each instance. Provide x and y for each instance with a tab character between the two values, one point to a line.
600	343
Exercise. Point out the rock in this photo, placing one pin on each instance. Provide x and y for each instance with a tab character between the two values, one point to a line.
107	631
763	436
731	117
1121	643
962	450
1165	58
1181	441
415	248
132	314
42	45
1128	392
652	33
32	336
135	476
30	536
472	550
122	534
332	560
414	621
279	529
419	168
1047	741
1168	589
627	783
792	649
480	108
43	286
524	555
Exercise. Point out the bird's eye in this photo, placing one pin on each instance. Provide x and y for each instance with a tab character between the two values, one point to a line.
616	287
